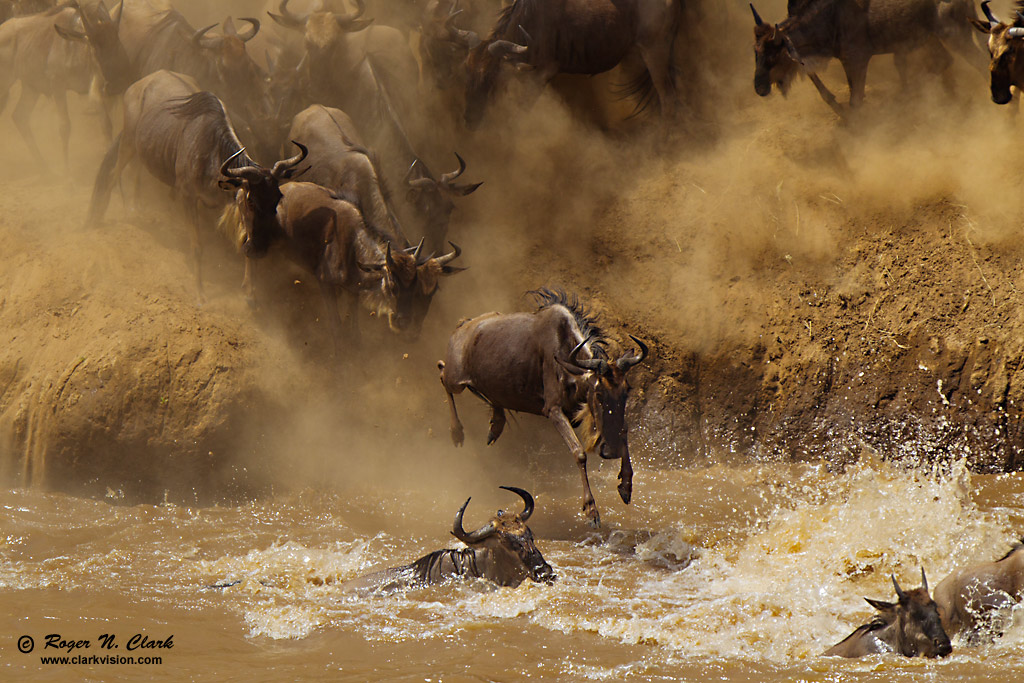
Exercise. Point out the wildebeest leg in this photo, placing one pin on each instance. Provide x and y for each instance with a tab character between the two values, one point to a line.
901	61
248	284
106	118
458	436
497	424
658	60
329	294
856	76
626	480
23	120
569	436
827	95
60	100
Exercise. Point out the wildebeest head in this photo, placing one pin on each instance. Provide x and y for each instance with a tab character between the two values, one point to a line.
443	45
322	30
232	64
409	282
505	549
101	33
434	199
1006	47
483	69
607	392
916	625
258	192
775	59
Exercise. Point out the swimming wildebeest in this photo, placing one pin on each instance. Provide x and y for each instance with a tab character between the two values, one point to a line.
1005	46
970	599
551	363
56	51
910	627
852	32
183	136
502	551
552	37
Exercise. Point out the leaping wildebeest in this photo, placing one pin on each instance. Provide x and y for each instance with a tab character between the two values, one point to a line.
1006	47
971	599
816	31
551	37
57	51
550	363
183	137
910	627
502	551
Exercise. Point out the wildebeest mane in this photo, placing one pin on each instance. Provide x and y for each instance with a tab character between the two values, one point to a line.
218	134
585	319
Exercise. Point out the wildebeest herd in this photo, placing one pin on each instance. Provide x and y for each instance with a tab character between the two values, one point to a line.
328	97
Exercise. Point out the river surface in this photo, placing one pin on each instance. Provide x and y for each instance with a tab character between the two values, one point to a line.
719	572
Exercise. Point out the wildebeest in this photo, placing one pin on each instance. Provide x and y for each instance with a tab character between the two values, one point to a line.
52	53
816	31
1005	46
910	627
157	37
550	363
183	136
554	37
443	45
502	551
970	599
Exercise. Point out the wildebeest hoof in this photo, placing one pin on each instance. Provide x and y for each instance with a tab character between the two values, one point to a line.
626	493
458	437
593	519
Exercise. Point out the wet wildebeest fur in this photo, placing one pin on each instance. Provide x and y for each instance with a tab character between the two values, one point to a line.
502	551
183	136
551	37
55	52
971	600
910	627
1006	48
852	32
551	363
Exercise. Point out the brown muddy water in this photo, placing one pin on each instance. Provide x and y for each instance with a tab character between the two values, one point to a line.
732	573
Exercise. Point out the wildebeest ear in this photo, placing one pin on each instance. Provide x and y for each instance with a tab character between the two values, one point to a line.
68	34
880	605
466	189
451	270
982	26
230	184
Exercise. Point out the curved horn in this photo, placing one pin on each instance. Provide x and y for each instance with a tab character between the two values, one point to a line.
757	17
989	15
448	258
449	178
503	48
85	19
254	28
390	262
285	165
626	362
237	172
415	251
899	591
290	19
360	10
198	36
475	537
526	35
527	501
1015	32
595	364
408	174
924	581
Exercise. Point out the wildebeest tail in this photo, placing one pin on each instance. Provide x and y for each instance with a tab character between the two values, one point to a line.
104	183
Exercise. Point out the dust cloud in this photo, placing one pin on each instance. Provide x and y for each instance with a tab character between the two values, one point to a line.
677	231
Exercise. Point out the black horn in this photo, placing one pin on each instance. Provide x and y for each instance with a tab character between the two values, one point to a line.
924	581
449	178
757	17
283	166
626	362
254	28
198	36
448	258
527	501
475	537
988	14
240	172
899	591
288	18
596	364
